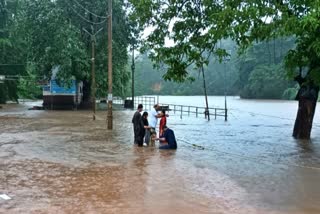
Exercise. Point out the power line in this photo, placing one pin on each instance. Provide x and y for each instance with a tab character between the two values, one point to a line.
21	76
12	64
85	19
103	17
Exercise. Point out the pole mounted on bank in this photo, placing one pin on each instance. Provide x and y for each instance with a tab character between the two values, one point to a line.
132	69
109	114
206	112
93	73
226	59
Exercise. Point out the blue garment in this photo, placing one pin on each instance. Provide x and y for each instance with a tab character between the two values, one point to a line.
170	139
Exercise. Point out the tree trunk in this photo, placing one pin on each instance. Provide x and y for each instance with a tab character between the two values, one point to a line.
307	97
87	99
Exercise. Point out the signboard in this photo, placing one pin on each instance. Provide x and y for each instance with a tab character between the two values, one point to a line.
109	97
56	89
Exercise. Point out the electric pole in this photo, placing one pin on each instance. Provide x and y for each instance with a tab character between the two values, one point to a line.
109	114
206	112
132	68
93	76
93	72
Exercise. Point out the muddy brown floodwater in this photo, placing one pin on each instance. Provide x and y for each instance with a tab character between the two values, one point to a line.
63	162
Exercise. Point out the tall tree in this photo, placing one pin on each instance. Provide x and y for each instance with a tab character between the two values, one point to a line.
11	56
54	35
196	26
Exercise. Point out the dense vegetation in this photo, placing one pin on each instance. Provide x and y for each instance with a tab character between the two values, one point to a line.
41	34
37	35
197	27
259	73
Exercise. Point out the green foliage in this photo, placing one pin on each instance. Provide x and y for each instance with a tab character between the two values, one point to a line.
196	27
48	33
265	82
259	73
189	25
8	92
291	93
28	87
52	40
261	66
10	57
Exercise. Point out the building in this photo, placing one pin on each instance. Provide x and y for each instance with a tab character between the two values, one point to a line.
62	95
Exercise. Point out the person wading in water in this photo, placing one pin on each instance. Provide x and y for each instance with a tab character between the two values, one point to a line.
136	120
145	128
163	122
154	115
168	140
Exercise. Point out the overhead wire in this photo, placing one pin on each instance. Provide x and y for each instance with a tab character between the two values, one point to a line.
103	17
83	18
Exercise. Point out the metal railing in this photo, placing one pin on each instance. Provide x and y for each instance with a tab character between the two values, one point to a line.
196	110
147	101
184	110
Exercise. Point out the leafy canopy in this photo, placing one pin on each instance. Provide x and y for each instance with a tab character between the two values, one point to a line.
52	34
196	27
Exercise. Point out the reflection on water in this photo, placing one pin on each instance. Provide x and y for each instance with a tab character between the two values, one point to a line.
63	162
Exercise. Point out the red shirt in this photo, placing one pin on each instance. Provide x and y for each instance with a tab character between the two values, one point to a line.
163	122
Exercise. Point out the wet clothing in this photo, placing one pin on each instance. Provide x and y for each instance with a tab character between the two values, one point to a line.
146	131
147	137
170	139
163	122
144	122
153	124
136	120
153	118
153	134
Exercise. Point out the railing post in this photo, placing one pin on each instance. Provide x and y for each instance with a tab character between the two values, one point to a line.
226	115
188	110
215	113
181	112
196	111
174	109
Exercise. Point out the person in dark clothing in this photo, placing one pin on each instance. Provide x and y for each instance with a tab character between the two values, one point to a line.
136	120
168	140
145	128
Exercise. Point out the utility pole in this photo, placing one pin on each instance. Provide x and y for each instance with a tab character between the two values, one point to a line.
206	112
93	75
225	94
109	114
226	59
93	72
132	68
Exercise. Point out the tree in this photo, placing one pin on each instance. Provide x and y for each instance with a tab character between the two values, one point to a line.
51	40
262	66
11	56
197	26
51	34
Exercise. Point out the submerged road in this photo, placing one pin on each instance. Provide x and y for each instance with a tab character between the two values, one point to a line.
63	162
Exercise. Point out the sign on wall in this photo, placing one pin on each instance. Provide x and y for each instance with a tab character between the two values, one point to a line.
57	89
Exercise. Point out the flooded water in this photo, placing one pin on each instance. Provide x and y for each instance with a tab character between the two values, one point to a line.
63	162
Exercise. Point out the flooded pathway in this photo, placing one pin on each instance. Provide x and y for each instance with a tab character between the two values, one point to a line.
63	162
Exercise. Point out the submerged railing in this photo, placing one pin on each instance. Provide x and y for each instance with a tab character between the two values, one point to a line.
184	110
